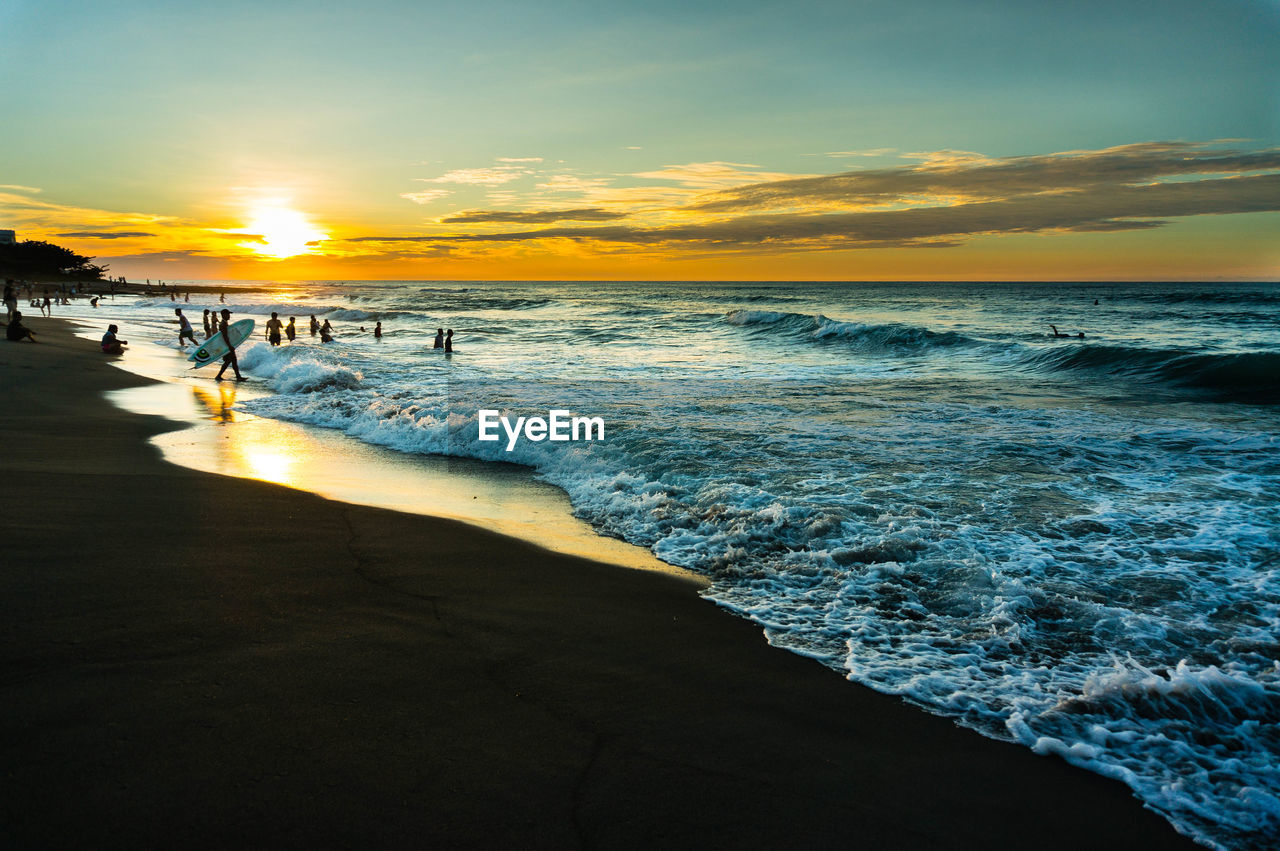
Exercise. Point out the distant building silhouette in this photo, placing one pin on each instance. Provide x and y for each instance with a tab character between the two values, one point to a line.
8	237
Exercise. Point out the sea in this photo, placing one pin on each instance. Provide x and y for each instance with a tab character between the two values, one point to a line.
1069	542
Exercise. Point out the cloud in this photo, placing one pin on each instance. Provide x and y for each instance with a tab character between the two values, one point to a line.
572	183
585	214
713	175
17	187
519	159
492	176
122	234
870	152
969	177
940	202
426	196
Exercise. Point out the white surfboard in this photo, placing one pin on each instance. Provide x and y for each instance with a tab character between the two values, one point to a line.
215	347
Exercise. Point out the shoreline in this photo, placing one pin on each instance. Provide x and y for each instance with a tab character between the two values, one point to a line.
214	659
503	498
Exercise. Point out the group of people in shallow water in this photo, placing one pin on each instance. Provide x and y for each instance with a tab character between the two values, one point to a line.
275	332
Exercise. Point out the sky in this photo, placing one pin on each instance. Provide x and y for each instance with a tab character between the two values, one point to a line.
976	140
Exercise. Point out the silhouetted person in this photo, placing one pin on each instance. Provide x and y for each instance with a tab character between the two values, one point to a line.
439	339
185	330
16	331
274	327
448	342
45	308
229	359
111	344
10	299
290	330
315	326
1058	333
377	331
326	330
209	324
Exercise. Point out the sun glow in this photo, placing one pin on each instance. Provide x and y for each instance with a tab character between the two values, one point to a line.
281	232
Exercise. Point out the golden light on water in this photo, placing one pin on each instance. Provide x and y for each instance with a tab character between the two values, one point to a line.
282	231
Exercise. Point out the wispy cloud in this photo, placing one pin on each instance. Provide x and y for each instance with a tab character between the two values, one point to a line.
519	159
121	234
713	175
940	201
490	176
18	187
968	176
426	196
585	214
572	183
870	152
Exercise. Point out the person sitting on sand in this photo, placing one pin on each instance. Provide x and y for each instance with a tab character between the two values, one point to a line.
291	330
111	344
185	331
448	342
439	339
229	359
274	327
16	331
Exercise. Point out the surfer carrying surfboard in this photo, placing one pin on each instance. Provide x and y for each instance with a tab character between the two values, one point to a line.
229	359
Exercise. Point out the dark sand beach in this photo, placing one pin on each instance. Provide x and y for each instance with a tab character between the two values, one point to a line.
216	662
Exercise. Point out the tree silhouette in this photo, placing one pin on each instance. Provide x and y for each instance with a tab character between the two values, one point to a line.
34	258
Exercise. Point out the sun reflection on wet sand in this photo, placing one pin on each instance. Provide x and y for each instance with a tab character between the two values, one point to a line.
500	497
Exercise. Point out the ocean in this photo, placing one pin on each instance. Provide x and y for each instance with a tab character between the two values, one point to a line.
1068	542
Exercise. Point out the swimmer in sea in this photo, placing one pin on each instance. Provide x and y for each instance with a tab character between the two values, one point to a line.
439	339
1057	333
274	326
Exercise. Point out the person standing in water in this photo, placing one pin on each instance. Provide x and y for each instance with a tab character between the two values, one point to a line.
185	331
208	324
377	331
439	339
290	330
448	342
315	326
274	326
229	359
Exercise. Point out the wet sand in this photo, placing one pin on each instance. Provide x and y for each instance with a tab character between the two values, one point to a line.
215	661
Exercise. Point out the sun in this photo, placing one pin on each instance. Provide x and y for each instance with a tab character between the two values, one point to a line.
282	231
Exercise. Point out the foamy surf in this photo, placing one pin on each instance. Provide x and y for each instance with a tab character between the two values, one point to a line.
1068	543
